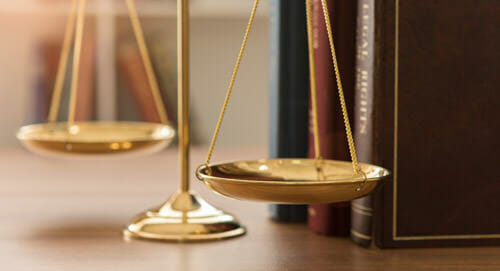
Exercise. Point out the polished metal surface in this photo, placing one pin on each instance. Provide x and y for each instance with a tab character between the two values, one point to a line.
184	217
95	138
291	180
183	92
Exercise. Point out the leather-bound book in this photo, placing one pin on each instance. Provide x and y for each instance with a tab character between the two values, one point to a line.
49	60
332	218
288	92
428	109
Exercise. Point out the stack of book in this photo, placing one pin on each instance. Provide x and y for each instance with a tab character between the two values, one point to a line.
290	98
422	79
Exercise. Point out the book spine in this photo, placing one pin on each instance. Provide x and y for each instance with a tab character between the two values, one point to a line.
132	69
85	93
334	218
362	210
288	92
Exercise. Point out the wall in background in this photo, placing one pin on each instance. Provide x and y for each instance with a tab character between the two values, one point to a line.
18	70
215	46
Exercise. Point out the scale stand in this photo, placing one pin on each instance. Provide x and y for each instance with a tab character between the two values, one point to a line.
185	216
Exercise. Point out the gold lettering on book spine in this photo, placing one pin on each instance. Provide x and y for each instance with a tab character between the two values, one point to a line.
362	87
362	54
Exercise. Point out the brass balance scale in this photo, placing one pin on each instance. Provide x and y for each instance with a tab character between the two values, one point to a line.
186	216
95	138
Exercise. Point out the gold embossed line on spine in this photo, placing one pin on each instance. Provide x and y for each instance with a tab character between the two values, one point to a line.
183	90
312	80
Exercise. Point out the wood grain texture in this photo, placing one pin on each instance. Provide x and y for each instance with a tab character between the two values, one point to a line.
67	215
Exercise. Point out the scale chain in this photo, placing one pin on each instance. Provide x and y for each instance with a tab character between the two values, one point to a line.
350	140
143	49
61	71
80	23
231	83
356	168
63	62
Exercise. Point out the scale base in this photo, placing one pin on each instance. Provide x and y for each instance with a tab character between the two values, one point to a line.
185	217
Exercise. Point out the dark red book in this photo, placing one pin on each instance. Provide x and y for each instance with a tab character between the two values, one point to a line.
333	218
428	109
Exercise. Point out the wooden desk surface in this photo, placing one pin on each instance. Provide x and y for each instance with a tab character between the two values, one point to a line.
68	215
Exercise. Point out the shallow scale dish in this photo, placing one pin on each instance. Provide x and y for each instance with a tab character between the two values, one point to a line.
95	138
291	180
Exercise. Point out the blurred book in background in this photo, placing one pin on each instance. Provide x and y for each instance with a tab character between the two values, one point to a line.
132	71
135	99
50	52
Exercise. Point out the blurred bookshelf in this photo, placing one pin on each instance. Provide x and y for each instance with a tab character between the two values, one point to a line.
216	24
199	8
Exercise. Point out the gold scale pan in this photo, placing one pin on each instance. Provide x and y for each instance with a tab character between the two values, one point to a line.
93	138
293	180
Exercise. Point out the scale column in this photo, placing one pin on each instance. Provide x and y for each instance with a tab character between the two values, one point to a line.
185	216
183	90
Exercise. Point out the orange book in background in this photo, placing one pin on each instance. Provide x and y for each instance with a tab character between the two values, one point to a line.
133	72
